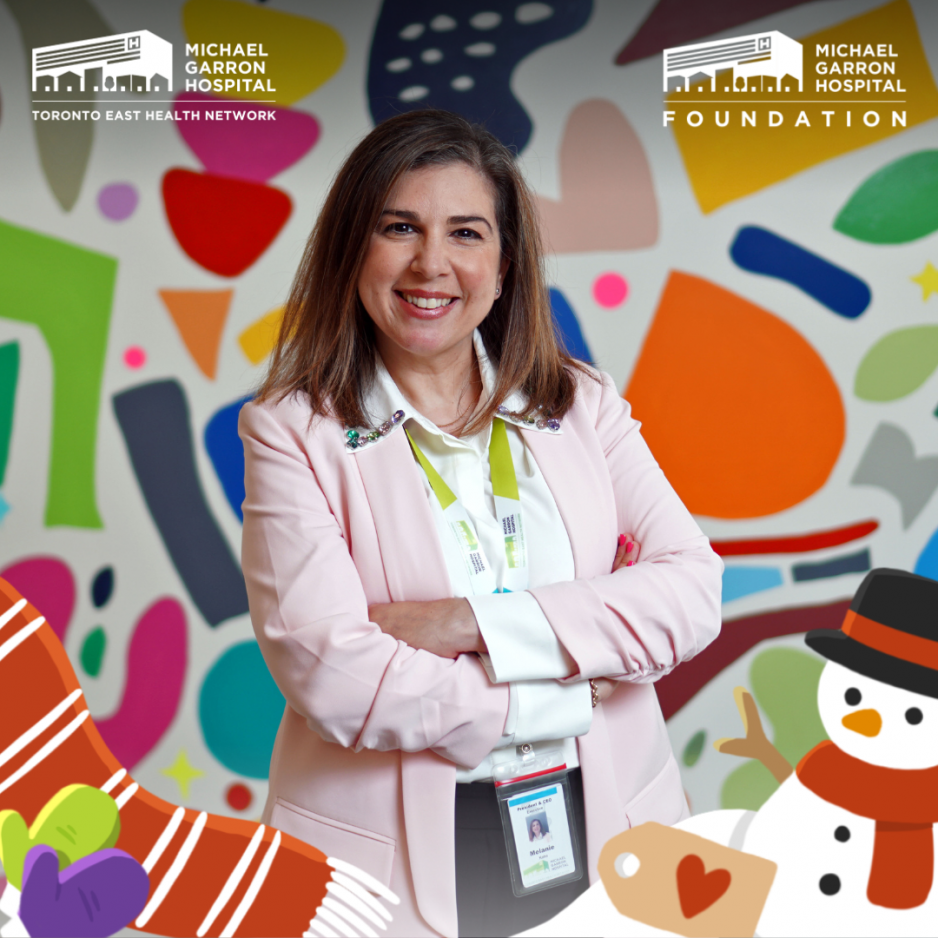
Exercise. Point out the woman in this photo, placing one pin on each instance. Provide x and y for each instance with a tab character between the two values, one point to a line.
536	832
433	497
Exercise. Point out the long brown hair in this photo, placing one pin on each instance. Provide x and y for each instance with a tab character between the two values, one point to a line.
326	346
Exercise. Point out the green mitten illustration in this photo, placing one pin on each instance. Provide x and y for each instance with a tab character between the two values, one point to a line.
75	822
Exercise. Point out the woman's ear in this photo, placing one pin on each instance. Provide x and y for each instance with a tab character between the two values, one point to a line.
502	270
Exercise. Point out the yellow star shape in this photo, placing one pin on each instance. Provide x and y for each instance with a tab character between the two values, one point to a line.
927	280
183	772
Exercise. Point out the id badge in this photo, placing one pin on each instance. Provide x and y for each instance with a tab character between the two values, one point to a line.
539	824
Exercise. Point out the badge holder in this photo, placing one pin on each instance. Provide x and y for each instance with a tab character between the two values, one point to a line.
538	821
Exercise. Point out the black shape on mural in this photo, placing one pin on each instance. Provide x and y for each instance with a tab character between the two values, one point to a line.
154	419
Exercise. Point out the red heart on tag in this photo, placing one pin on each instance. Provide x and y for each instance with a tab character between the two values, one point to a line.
697	889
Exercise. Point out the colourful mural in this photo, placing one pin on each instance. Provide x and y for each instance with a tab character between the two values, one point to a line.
763	295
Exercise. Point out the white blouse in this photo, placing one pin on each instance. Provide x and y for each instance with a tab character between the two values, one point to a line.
522	648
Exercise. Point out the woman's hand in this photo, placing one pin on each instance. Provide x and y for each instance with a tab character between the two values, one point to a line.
444	627
604	687
627	552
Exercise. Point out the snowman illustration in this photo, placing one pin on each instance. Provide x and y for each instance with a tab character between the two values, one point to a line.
851	828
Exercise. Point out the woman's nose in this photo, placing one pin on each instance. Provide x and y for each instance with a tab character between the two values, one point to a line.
430	258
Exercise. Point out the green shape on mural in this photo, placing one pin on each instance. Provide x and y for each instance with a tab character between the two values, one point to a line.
694	748
66	291
897	364
92	651
77	821
64	146
784	682
9	374
898	203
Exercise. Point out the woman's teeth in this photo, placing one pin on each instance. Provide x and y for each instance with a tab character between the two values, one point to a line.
426	302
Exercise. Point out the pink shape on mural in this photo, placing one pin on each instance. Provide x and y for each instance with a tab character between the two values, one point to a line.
610	290
607	199
135	357
244	148
156	669
49	585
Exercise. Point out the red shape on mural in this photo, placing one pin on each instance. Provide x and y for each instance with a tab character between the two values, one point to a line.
223	224
795	543
736	638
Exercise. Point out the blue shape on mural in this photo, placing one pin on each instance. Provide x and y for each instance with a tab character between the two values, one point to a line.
226	452
568	326
852	563
762	252
4	507
927	563
102	586
460	57
240	709
154	419
742	581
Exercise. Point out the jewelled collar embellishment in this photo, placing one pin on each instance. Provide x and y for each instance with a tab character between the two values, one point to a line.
356	439
540	423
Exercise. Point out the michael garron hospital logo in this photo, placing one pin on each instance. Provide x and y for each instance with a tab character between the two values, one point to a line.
97	70
751	73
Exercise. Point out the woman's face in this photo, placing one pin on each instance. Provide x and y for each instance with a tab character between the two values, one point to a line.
433	265
536	828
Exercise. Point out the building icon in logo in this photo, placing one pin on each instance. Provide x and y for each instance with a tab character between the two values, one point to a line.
770	54
127	62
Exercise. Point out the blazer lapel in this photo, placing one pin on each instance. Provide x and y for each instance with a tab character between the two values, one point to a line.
416	570
407	536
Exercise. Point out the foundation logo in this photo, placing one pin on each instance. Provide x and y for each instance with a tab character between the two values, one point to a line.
137	61
771	54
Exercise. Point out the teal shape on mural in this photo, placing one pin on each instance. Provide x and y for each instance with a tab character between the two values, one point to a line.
240	709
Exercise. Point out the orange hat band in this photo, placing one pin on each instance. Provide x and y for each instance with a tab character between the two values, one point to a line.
891	641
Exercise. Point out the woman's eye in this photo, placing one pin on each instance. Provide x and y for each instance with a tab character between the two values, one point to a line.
399	227
466	233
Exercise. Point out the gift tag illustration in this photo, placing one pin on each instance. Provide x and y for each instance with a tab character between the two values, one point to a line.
683	883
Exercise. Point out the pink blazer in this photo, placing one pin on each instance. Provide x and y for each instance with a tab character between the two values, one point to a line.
364	762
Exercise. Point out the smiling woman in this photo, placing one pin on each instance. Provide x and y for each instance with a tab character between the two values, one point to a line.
438	546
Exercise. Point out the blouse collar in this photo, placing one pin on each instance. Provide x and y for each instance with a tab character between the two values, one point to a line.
389	409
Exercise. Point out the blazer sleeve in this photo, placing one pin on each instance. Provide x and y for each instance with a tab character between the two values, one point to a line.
354	684
640	622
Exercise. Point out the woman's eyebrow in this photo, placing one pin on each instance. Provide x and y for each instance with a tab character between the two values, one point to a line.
452	220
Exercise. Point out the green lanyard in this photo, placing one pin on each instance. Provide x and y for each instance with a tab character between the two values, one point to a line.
507	511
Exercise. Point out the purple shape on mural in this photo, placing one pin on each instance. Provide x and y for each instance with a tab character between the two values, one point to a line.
94	897
244	148
49	585
156	671
118	200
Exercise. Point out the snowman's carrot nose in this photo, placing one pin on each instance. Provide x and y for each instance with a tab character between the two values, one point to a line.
865	722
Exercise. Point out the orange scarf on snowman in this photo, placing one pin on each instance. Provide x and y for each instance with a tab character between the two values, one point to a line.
904	804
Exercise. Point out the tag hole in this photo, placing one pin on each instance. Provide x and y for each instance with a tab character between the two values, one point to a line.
627	865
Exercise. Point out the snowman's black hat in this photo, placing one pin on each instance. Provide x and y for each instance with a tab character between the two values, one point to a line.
890	632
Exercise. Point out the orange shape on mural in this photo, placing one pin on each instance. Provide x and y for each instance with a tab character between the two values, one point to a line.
739	409
810	126
200	317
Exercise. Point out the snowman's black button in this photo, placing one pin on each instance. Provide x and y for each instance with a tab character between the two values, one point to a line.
842	834
830	884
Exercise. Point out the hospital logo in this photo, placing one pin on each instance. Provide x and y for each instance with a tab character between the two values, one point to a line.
730	63
137	61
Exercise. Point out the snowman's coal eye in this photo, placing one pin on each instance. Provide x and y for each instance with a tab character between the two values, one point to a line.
853	696
913	715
